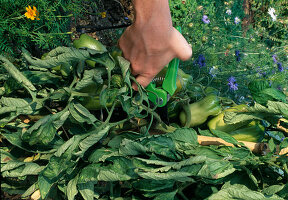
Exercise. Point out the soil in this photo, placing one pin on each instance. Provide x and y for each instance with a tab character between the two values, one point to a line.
104	21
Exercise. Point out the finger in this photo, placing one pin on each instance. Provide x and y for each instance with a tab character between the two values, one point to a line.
144	80
181	47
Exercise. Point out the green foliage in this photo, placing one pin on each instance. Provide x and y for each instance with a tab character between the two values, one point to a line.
256	38
51	30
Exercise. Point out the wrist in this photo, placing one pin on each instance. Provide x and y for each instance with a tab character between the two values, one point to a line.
152	13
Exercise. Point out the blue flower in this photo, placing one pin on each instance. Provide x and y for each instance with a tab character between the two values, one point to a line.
232	83
238	55
280	67
205	19
201	61
274	58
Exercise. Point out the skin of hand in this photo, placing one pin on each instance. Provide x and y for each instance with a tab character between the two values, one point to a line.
151	42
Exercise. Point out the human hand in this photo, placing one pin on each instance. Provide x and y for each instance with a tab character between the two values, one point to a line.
150	44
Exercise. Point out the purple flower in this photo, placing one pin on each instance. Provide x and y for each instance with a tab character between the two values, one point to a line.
274	58
232	83
264	74
280	67
205	19
201	61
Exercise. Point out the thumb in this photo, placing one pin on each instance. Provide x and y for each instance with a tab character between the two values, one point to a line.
181	47
142	80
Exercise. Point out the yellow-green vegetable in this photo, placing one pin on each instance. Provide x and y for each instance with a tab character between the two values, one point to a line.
217	123
251	131
197	113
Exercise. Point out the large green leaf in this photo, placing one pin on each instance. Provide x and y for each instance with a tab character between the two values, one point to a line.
72	188
262	92
61	55
240	192
186	135
91	79
16	74
80	113
16	169
44	130
93	137
121	169
87	190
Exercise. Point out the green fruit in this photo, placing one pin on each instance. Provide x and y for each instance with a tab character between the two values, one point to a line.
251	131
217	123
197	113
91	43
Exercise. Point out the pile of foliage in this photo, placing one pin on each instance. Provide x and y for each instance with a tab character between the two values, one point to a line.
57	144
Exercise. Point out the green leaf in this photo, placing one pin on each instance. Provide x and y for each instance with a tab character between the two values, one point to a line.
16	140
273	189
271	145
45	129
81	114
91	79
98	154
129	147
87	190
42	78
257	86
274	94
262	92
18	169
225	136
45	186
30	191
166	195
161	145
58	166
148	185
72	188
216	169
61	55
171	175
89	173
20	106
6	156
237	191
125	66
16	74
94	137
121	169
186	135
